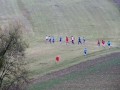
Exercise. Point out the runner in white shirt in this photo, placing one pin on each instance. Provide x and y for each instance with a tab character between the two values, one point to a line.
46	38
72	39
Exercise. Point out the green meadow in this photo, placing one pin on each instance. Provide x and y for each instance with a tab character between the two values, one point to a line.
92	19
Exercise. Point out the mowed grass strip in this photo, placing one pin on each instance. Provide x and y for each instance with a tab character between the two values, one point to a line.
9	10
73	75
43	61
92	19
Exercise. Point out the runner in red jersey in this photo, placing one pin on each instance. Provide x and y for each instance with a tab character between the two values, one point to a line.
98	42
103	42
66	39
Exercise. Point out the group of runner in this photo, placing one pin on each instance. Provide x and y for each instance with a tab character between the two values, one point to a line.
80	41
103	43
52	39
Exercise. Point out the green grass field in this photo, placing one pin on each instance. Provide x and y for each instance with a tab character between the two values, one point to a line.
92	19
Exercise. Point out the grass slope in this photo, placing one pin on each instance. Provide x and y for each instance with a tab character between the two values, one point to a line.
9	11
92	19
97	74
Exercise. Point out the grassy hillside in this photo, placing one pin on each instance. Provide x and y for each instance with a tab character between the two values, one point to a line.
97	74
92	19
116	3
9	11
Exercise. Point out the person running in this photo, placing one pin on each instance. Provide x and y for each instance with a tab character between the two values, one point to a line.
49	39
52	39
79	40
46	38
85	51
72	38
98	42
84	40
103	42
60	39
108	44
66	39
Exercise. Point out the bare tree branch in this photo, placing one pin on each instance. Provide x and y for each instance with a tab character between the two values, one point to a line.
12	63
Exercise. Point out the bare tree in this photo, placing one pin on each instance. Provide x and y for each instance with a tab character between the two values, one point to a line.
13	67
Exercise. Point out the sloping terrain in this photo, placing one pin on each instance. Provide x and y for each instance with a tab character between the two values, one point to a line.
96	19
98	74
92	19
10	11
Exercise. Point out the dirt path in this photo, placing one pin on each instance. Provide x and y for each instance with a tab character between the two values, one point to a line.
98	74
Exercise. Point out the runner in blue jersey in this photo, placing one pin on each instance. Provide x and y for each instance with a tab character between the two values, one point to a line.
108	44
79	40
52	39
60	39
85	51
